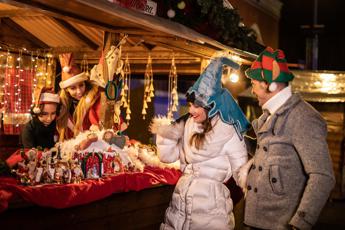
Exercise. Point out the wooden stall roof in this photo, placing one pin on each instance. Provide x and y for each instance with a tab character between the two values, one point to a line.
79	25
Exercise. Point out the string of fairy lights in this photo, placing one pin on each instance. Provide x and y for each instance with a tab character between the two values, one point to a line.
172	90
19	66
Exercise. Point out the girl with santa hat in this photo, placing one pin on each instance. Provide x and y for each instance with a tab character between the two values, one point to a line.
80	101
41	130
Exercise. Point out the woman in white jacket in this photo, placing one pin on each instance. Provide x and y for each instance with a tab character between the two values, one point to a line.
208	142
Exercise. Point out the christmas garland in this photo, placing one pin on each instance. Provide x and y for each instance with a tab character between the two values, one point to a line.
211	18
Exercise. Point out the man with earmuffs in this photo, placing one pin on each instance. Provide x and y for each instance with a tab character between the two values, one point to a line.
290	177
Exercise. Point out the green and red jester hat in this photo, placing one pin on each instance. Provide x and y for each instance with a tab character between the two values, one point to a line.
271	66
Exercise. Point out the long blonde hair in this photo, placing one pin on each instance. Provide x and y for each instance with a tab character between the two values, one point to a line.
85	103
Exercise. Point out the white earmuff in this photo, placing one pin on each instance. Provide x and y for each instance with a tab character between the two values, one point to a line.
272	87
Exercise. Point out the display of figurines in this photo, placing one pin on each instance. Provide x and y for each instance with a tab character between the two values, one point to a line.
59	169
92	173
47	172
26	169
22	173
76	172
111	138
67	174
62	173
47	169
84	144
92	165
38	173
32	158
116	164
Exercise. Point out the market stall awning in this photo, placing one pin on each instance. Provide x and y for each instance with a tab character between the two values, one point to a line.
79	25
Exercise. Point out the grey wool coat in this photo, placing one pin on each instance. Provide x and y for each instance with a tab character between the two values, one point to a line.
291	176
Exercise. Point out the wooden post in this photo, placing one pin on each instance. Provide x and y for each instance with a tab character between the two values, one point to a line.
107	111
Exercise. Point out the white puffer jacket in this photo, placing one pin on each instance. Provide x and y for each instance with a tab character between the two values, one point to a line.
200	199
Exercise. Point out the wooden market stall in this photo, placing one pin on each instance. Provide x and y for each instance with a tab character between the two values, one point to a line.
42	29
87	27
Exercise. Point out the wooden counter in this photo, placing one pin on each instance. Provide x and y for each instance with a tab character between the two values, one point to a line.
129	210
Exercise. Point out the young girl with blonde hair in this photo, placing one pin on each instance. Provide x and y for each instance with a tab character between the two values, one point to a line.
80	101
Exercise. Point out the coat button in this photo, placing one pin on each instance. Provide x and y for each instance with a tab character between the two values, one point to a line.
260	168
253	166
301	214
265	148
255	190
274	180
249	187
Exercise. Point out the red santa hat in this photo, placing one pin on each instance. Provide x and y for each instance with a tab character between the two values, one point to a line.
70	74
44	96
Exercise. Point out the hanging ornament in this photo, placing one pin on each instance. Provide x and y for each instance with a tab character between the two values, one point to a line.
172	90
125	94
181	5
84	66
148	85
50	71
171	13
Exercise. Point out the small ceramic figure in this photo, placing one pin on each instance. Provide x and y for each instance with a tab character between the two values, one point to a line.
58	173
92	137
76	174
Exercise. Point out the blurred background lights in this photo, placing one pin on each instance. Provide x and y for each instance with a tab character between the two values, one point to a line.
234	77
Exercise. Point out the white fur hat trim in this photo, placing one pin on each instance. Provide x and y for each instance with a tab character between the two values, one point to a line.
49	97
73	80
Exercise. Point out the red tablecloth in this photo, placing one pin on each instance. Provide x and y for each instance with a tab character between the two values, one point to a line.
68	195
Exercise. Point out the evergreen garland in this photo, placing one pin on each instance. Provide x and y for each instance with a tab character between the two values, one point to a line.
211	18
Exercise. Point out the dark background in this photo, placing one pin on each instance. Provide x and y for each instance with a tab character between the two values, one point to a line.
292	39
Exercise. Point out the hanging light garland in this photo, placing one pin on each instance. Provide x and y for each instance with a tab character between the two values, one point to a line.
148	86
16	77
7	93
39	73
84	65
125	93
50	78
2	87
172	90
13	95
33	67
44	69
17	85
2	78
